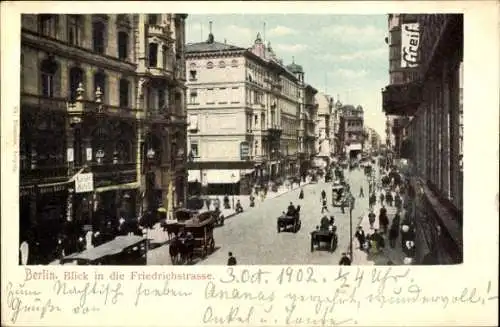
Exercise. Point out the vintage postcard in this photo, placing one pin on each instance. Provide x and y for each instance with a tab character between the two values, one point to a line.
292	163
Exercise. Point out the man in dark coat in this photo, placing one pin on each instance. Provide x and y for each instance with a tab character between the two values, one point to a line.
393	233
231	261
383	220
345	261
360	235
371	218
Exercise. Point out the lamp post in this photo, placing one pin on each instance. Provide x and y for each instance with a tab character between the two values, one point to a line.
351	207
233	188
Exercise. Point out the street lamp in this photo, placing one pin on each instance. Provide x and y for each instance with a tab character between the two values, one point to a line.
233	186
351	207
99	156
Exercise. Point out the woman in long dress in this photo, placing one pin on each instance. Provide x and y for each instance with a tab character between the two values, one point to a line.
301	194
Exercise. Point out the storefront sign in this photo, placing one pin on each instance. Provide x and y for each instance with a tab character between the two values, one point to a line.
89	154
244	150
69	155
84	183
410	41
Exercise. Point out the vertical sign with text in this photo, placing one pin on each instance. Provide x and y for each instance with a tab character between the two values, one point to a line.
410	42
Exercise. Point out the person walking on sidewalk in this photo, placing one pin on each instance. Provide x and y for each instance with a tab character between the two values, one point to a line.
360	235
325	206
383	220
345	261
361	193
388	198
393	233
372	200
382	198
301	194
371	218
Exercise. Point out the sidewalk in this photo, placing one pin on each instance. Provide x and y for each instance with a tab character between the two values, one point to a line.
395	255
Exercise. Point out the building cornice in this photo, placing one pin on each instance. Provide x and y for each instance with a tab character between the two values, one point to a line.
62	49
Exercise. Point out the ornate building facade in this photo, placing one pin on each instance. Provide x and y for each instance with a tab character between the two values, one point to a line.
351	130
102	97
244	108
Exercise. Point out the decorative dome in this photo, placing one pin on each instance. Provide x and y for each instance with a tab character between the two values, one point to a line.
294	68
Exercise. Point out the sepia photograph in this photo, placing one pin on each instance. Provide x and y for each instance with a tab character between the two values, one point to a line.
241	139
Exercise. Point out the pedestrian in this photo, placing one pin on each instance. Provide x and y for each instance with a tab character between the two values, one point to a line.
325	206
372	201
301	194
360	235
323	194
388	198
345	261
207	203
361	192
231	261
342	206
371	218
382	198
393	234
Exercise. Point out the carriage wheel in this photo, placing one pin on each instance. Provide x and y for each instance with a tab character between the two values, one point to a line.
278	227
312	243
295	227
332	244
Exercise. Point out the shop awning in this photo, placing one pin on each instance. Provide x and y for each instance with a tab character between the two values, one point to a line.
128	186
194	176
222	176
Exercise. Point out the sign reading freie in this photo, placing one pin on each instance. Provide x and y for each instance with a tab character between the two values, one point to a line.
410	41
84	183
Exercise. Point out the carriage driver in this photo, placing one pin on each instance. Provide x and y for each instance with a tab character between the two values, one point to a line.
291	210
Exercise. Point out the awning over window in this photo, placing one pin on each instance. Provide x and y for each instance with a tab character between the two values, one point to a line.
222	176
194	176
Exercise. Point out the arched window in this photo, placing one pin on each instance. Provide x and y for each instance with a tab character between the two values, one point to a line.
222	64
100	81
123	45
99	36
153	55
124	93
75	78
210	65
234	63
48	70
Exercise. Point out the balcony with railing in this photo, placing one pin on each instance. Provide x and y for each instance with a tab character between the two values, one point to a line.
113	173
43	103
46	174
162	31
402	99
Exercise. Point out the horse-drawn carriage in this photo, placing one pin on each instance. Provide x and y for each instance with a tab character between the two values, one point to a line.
325	233
338	194
190	237
289	220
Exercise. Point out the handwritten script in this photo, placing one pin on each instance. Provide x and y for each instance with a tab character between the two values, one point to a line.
291	296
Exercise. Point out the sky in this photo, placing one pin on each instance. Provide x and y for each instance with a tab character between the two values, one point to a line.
344	56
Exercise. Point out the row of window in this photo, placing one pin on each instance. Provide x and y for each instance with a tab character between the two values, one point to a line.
49	25
222	94
210	64
50	79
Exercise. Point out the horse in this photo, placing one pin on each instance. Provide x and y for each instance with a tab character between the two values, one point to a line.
174	250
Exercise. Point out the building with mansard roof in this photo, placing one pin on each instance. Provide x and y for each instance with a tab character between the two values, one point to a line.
103	128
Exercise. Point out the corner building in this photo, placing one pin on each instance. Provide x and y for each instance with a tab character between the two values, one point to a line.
243	113
101	95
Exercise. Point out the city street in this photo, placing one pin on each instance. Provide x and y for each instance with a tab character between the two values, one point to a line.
253	238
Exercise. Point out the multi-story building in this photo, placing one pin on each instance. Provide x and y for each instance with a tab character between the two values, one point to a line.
306	131
337	146
325	106
351	130
372	140
102	120
243	112
425	89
